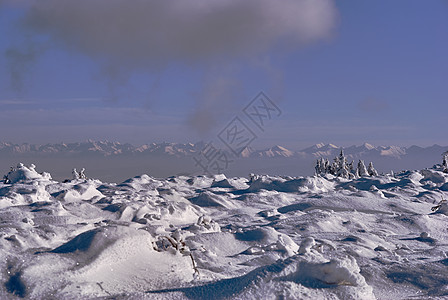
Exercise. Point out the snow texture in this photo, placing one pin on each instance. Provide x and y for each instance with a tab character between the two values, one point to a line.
212	237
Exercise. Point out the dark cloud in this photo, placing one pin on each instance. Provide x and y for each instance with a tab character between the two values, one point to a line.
154	33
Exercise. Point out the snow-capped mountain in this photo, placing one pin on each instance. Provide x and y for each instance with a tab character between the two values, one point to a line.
247	152
107	148
276	151
175	149
319	150
354	152
104	148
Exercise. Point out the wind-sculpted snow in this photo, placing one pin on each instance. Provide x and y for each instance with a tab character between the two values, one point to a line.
212	237
24	173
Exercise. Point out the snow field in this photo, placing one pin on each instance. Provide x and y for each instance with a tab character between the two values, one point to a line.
319	237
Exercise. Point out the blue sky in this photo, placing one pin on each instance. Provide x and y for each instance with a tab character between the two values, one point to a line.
344	72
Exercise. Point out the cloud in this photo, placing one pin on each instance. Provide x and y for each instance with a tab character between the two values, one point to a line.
138	33
125	36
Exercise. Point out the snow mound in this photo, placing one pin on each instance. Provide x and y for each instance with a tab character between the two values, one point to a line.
23	173
314	184
231	183
141	182
294	278
82	191
335	272
306	245
118	258
209	199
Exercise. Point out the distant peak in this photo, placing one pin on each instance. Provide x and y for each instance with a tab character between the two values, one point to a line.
368	146
278	147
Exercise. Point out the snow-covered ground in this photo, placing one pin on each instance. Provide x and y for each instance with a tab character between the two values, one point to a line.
264	237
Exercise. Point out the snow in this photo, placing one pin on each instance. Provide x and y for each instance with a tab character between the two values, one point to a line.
24	173
213	237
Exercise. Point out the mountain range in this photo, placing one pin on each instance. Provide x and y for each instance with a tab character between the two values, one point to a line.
107	148
114	161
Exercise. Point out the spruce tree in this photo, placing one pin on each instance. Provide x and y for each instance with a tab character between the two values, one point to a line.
343	169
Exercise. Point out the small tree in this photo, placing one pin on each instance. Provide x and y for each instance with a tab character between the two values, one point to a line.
344	173
362	170
75	174
445	162
371	170
326	166
320	166
341	168
342	160
82	175
351	167
334	168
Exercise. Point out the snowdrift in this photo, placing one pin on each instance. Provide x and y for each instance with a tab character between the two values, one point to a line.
263	237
